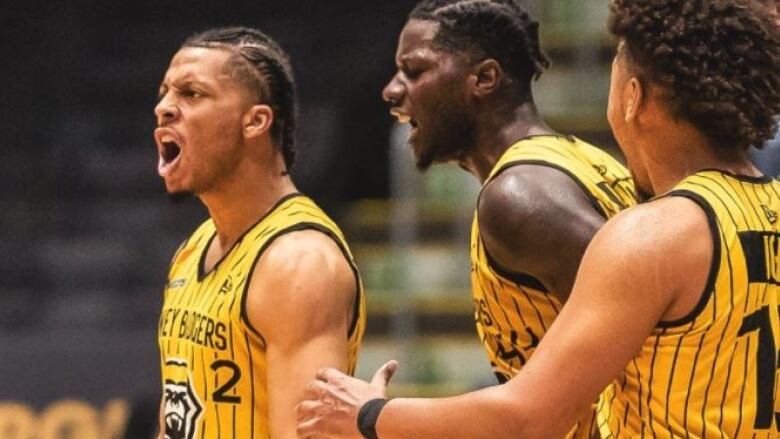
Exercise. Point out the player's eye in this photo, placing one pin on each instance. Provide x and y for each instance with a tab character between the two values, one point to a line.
190	93
412	72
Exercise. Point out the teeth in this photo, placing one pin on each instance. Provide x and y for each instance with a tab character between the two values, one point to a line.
167	138
400	115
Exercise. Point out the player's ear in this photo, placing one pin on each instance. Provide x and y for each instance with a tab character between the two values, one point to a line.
257	120
486	77
634	98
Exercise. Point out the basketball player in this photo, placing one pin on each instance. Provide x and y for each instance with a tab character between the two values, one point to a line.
265	292
768	158
467	94
676	301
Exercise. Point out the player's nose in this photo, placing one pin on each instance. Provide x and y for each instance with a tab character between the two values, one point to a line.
166	111
393	91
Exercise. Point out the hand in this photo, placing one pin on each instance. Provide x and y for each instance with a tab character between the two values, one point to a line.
334	399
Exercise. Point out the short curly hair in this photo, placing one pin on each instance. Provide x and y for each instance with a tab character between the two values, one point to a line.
717	63
499	29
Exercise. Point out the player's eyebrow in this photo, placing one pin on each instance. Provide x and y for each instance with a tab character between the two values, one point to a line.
181	84
416	55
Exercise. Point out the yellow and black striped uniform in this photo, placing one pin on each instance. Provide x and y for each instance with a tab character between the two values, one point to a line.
713	373
213	361
514	310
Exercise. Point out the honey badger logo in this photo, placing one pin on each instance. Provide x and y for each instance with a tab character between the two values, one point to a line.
182	407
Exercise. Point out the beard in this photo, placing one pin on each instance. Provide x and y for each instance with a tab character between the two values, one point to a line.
450	138
180	197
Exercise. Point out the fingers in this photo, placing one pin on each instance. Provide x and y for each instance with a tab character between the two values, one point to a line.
306	409
384	374
308	430
316	389
332	402
309	415
330	374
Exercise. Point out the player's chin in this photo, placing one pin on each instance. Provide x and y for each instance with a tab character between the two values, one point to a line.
174	185
423	163
423	159
178	193
427	155
180	196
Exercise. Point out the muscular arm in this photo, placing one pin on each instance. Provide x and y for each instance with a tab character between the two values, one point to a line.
537	220
301	299
647	264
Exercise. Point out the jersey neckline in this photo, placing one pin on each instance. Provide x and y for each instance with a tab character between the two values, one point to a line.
202	274
497	170
568	137
761	179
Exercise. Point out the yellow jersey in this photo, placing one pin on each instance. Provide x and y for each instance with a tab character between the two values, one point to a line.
513	310
713	373
213	361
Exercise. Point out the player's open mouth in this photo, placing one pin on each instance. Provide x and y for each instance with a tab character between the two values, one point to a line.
170	152
403	117
169	149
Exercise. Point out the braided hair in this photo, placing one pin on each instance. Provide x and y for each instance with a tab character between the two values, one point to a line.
716	63
259	63
498	29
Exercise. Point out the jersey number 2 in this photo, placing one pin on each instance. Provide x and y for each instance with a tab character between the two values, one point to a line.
220	394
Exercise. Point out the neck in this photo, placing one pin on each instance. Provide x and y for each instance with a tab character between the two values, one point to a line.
673	154
241	199
499	129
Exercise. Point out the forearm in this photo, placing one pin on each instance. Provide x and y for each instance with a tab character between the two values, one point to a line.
487	413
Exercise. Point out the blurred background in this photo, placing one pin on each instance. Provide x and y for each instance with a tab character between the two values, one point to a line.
87	231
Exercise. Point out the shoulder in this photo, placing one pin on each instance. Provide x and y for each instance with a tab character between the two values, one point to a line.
537	220
297	250
526	195
670	236
657	224
198	239
663	250
303	275
306	256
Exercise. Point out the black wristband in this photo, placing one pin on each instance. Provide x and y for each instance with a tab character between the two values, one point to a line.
367	417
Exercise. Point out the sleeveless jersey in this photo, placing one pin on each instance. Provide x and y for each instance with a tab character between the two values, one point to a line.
213	361
713	373
514	310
